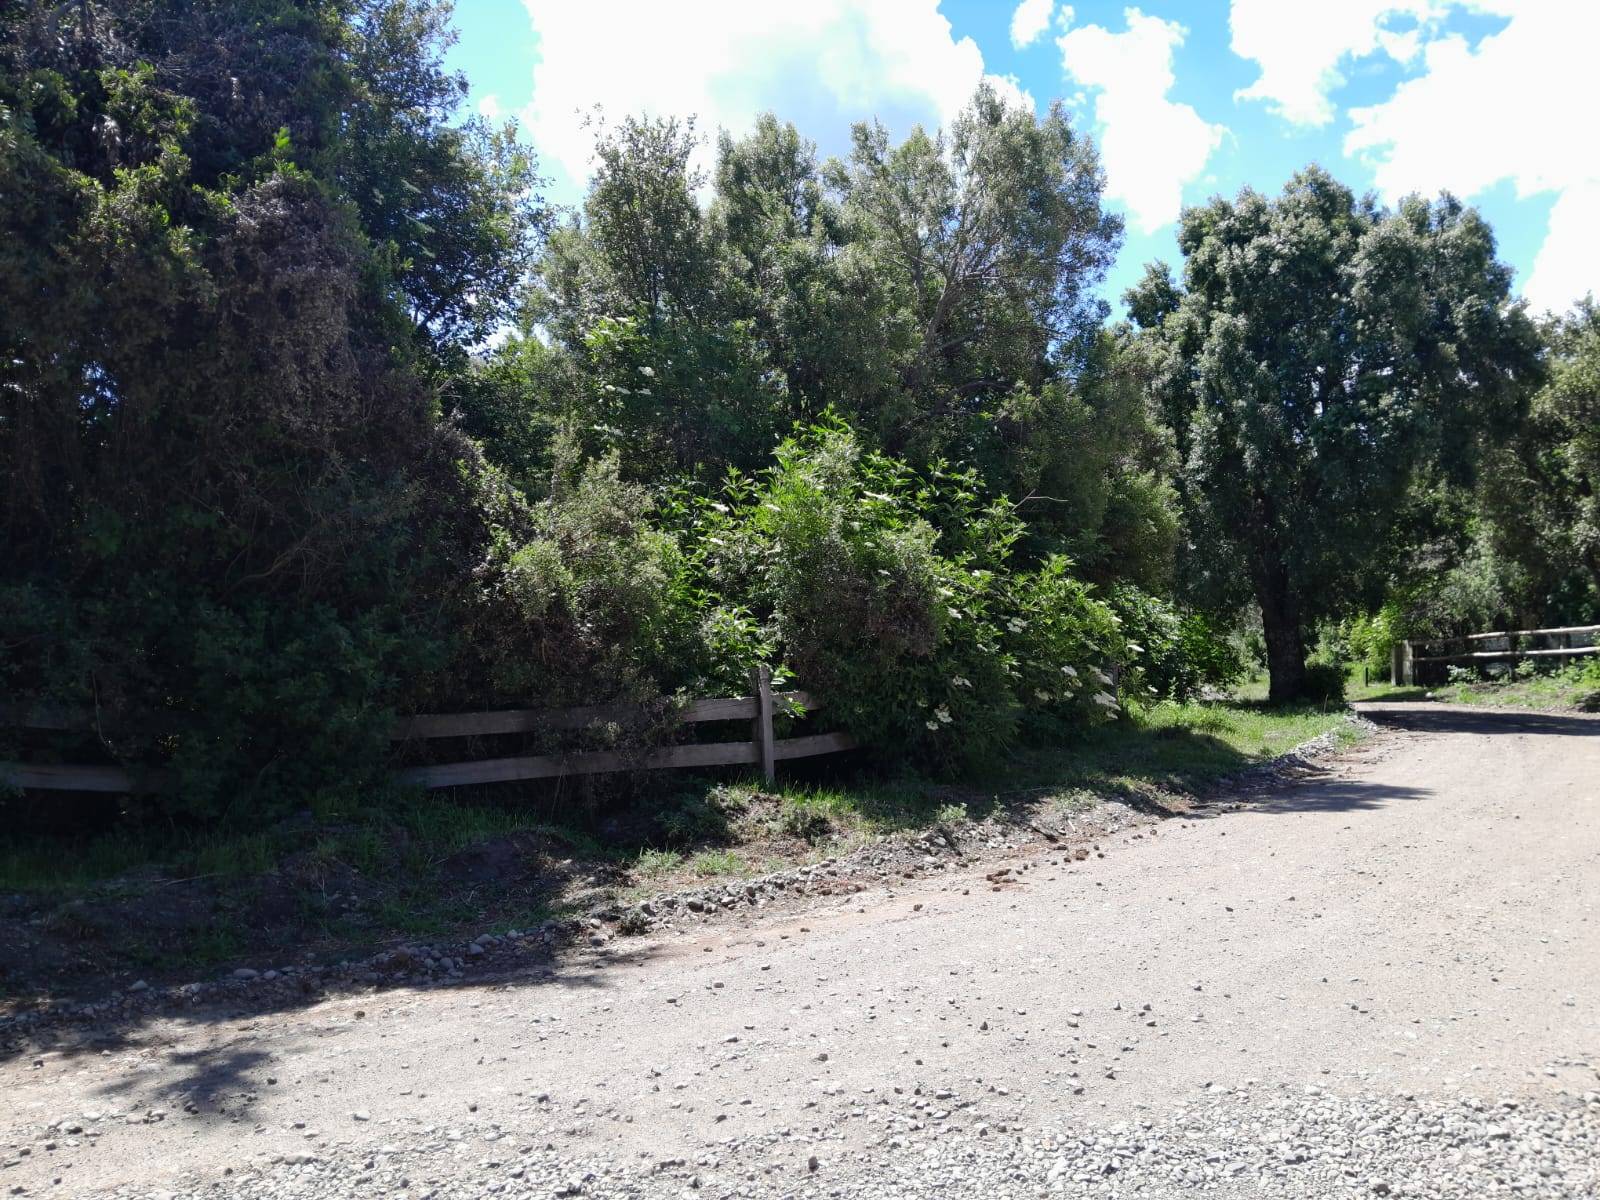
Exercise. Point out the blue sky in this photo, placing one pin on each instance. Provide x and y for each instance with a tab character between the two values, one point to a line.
1488	98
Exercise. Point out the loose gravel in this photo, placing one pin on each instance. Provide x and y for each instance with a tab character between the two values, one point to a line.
1381	980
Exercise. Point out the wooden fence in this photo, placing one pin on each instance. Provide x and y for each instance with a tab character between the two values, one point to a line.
763	750
1411	660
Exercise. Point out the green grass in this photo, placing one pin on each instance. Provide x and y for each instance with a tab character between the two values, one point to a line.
709	828
1381	690
1157	750
717	862
428	830
1166	746
1182	747
654	864
1254	688
1573	687
36	865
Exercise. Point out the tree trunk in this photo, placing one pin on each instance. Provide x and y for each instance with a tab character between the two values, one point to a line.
1286	641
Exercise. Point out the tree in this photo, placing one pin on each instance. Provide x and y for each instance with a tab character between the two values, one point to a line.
1541	493
1319	348
993	238
1567	414
635	290
239	244
928	291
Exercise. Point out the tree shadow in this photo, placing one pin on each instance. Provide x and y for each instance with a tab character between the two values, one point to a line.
1435	718
1313	792
83	1032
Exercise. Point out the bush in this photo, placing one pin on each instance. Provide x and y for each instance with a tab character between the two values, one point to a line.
581	596
1061	638
1324	683
1588	677
893	595
1368	640
1172	653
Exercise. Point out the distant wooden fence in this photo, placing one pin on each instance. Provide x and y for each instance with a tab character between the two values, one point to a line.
1514	645
763	750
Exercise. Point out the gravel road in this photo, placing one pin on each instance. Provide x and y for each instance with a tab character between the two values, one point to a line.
1381	980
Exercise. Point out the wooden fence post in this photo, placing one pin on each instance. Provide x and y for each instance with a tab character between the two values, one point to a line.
1402	672
761	727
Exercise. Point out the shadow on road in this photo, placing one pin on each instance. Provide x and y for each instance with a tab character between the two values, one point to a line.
1433	718
1314	794
208	1073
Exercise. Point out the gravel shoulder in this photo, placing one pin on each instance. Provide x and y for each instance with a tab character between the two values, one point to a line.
1381	978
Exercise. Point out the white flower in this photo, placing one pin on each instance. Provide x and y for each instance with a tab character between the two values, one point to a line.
933	725
960	681
1044	696
1069	672
1104	701
1100	675
943	714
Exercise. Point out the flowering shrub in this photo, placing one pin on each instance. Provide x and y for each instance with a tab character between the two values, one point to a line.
893	595
1172	654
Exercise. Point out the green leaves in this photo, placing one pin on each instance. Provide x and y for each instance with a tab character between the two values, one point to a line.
1319	349
894	594
234	240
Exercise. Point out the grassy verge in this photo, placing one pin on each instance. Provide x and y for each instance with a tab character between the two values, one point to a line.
411	837
1254	688
441	865
1177	747
1575	687
1572	689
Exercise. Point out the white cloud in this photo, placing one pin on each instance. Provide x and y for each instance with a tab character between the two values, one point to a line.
1515	107
1300	44
1029	22
1567	267
1150	145
490	108
822	65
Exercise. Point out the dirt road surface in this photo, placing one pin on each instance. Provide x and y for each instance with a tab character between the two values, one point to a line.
1382	980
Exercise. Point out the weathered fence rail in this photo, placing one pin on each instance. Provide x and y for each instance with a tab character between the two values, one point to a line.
763	750
1501	646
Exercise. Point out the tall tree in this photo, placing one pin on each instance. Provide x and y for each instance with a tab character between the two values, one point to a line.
635	290
995	237
1317	349
239	242
1541	495
929	290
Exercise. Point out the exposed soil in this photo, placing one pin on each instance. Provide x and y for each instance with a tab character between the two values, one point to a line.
318	916
1379	979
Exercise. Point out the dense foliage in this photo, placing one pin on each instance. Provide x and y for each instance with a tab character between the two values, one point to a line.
899	596
1316	351
1541	493
235	242
313	415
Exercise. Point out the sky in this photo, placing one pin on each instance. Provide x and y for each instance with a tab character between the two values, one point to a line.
1488	99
